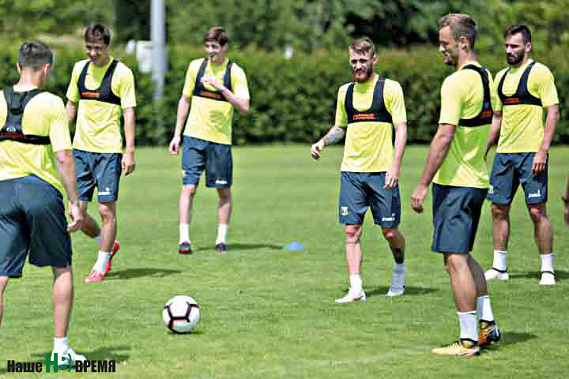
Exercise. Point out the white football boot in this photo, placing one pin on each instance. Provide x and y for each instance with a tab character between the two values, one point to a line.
353	296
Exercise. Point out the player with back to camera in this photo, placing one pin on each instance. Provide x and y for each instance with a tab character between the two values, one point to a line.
214	86
100	91
456	166
366	112
526	89
34	131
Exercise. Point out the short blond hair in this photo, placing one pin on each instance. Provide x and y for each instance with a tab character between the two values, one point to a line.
363	45
461	25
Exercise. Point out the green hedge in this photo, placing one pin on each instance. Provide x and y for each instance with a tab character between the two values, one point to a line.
293	100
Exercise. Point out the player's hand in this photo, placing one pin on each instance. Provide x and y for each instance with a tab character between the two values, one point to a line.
391	178
174	145
316	150
418	197
539	161
212	81
127	163
76	217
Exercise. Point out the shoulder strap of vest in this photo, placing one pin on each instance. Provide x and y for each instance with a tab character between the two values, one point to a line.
522	95
377	111
486	113
12	130
227	76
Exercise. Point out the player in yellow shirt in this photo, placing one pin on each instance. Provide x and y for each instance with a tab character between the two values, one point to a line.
526	90
214	86
100	91
34	131
366	112
456	166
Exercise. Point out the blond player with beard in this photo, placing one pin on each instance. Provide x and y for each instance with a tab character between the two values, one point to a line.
366	112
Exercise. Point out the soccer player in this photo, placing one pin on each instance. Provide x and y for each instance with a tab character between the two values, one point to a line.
35	146
525	89
100	90
366	112
456	166
214	87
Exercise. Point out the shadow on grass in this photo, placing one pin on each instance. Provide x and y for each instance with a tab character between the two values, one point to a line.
559	275
141	272
103	353
511	338
245	246
409	291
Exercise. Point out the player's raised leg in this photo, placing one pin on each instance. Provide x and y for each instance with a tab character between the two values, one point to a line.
108	245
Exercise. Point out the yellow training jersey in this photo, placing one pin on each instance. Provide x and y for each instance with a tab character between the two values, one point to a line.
211	119
98	123
522	124
369	145
44	115
462	97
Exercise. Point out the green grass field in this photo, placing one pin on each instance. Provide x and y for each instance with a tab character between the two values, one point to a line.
267	313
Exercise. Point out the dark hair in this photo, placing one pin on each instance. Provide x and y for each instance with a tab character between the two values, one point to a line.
216	34
33	54
98	33
363	45
461	25
515	29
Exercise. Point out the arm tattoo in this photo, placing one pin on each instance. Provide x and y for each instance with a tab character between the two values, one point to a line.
334	135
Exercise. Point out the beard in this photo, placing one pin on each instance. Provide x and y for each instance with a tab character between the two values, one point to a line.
363	75
514	59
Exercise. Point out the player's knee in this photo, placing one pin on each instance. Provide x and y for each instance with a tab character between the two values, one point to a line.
189	190
353	233
388	233
107	214
499	211
537	214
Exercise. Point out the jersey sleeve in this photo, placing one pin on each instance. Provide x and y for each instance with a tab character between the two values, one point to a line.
394	102
190	82
72	90
59	128
547	91
127	89
341	115
451	102
239	82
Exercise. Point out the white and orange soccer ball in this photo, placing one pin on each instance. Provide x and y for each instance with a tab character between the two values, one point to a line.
181	314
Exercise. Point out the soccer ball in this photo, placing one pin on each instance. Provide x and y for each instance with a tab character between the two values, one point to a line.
181	314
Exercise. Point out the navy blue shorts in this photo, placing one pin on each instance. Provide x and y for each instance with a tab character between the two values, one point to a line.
360	190
509	171
215	158
101	170
32	221
456	213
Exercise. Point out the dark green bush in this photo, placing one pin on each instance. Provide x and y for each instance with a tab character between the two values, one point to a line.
293	100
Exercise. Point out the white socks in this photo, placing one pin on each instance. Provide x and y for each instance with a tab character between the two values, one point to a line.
484	309
500	260
221	233
101	263
468	322
356	283
184	233
546	262
60	345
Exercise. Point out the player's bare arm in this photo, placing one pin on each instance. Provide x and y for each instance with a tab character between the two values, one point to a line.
71	110
392	175
182	113
494	132
66	168
334	135
128	163
241	104
540	159
437	153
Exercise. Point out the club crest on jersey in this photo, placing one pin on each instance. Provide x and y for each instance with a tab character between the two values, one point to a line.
344	211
